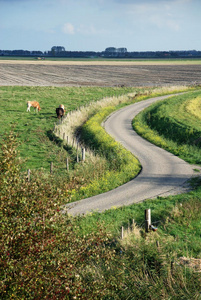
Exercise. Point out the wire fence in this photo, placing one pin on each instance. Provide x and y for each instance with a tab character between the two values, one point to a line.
147	224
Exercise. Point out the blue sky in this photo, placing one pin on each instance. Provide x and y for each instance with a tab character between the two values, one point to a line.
82	25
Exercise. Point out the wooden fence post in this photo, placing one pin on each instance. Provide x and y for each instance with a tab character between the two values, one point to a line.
51	167
133	224
122	232
64	136
147	219
129	227
67	165
28	174
83	154
77	156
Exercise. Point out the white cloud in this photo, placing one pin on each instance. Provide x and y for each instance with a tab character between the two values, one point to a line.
87	29
173	25
83	29
68	28
165	21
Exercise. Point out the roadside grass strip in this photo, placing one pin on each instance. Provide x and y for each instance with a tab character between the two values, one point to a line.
122	165
173	125
193	107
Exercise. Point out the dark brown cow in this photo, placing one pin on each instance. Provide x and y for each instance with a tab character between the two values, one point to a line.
59	112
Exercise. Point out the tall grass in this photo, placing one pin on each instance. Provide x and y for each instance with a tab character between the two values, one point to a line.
72	122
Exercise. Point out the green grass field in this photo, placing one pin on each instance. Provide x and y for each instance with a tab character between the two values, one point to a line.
148	60
34	129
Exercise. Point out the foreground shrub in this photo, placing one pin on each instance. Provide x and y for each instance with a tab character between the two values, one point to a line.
41	256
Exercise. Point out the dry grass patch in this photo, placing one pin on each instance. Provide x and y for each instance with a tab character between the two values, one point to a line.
74	120
191	263
103	62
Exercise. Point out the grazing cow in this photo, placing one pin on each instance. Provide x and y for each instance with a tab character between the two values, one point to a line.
62	106
59	112
34	104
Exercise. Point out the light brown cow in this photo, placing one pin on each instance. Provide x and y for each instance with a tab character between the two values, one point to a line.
34	104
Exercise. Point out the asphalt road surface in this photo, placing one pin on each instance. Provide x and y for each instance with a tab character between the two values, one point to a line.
162	172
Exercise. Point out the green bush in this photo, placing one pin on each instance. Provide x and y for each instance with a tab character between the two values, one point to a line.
41	256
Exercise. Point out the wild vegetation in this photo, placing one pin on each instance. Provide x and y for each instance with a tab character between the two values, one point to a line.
47	255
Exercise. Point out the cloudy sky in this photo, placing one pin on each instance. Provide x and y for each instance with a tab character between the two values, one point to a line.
81	25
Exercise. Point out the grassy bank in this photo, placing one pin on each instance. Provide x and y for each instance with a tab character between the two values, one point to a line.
174	125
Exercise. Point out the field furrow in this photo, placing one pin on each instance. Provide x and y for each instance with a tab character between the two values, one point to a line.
74	74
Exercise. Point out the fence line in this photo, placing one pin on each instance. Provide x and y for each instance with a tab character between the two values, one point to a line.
148	225
67	164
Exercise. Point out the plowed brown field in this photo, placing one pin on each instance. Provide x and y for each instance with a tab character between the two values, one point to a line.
51	73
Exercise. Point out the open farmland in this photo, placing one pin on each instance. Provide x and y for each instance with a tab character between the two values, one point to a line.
99	73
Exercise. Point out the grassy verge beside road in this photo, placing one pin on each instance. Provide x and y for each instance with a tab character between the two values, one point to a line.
174	125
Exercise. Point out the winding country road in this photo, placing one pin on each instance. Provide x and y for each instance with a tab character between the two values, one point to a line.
162	172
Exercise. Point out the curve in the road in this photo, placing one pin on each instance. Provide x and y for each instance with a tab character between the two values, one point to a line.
162	172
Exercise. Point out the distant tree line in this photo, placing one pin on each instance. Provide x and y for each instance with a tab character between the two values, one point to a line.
111	52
